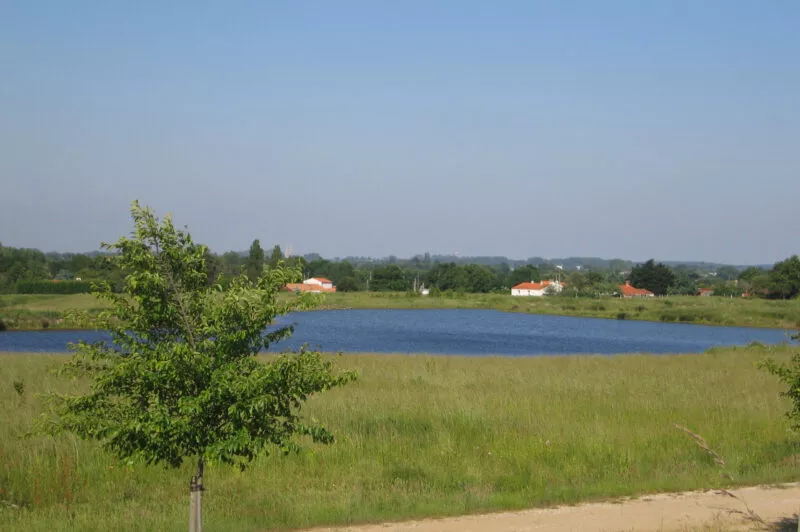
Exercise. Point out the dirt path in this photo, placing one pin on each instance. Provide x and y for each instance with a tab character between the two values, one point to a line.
773	508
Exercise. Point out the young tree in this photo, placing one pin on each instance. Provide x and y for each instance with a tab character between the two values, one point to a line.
179	380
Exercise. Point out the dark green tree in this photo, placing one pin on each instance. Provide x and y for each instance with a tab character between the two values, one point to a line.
255	261
748	274
654	277
784	279
389	278
479	278
276	257
682	285
524	274
347	284
180	379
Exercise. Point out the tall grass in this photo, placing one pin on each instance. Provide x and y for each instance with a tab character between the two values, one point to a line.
420	436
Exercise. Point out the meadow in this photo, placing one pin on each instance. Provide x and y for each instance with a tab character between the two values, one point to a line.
742	312
426	436
50	311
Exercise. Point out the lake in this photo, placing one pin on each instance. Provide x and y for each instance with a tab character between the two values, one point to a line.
466	332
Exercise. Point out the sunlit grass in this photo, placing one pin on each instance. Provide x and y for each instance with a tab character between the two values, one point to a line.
39	311
421	435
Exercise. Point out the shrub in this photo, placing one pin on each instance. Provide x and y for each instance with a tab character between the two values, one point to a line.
3	325
54	287
622	316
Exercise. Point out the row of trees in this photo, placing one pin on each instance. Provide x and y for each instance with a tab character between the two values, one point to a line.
781	282
29	271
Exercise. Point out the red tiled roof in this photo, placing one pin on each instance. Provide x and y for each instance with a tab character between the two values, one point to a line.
302	287
628	290
705	290
534	286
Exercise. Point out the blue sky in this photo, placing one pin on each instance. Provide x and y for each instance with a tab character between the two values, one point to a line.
616	129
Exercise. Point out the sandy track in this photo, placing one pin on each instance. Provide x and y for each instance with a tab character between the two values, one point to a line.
689	511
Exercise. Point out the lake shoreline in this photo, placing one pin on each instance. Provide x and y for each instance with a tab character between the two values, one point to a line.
477	332
37	313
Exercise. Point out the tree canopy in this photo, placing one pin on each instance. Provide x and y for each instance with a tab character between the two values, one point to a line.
179	378
654	277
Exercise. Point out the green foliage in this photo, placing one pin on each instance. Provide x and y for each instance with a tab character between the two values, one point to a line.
654	277
784	279
54	287
524	274
276	257
180	378
255	261
682	285
727	290
390	278
789	374
748	274
347	284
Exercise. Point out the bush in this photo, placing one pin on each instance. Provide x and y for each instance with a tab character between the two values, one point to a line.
3	325
622	316
54	287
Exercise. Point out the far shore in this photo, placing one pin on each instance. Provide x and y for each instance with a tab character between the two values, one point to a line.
43	312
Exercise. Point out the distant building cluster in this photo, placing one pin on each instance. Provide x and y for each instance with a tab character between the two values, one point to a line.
544	288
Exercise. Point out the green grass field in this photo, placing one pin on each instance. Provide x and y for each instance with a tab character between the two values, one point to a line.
427	436
36	312
684	309
23	311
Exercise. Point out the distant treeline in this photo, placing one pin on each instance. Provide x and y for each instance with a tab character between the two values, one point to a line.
31	271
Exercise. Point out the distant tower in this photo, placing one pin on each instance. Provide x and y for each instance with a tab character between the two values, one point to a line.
288	251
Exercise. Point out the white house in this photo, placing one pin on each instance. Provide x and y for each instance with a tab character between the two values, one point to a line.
536	289
314	285
319	281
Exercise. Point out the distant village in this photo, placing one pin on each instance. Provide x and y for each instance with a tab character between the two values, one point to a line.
319	285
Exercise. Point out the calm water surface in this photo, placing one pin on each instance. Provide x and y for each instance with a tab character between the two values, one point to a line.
468	332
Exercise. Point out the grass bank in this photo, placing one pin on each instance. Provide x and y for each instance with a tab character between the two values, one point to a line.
33	311
742	312
49	311
423	436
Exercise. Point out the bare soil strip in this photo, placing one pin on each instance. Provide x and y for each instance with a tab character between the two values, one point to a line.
752	508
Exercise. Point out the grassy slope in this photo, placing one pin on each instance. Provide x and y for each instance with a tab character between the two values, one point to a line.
422	436
687	309
20	311
29	312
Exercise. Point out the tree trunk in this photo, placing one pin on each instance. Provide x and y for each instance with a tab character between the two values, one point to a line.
195	503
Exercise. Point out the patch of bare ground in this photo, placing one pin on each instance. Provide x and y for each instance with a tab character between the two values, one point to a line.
766	508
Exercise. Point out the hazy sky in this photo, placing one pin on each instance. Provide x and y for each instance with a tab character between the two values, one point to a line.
626	129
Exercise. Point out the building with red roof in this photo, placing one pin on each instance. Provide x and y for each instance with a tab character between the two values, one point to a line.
626	290
536	289
313	285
